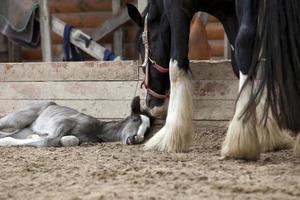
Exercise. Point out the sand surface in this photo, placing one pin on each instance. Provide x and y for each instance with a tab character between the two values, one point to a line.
115	171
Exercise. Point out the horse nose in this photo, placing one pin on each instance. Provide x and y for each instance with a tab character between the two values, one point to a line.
148	101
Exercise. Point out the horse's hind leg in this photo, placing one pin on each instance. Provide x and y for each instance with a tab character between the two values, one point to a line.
23	117
271	137
241	140
297	147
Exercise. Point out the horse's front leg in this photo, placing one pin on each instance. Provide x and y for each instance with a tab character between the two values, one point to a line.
177	133
241	140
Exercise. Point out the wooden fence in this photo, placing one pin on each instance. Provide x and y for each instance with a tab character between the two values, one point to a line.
105	89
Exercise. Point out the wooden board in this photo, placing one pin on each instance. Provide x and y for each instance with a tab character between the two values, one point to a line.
126	70
68	71
71	6
210	70
116	109
105	89
215	31
84	19
215	89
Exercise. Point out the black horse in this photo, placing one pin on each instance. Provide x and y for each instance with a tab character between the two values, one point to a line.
255	28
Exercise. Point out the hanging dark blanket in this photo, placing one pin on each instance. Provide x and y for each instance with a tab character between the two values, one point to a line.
71	52
18	23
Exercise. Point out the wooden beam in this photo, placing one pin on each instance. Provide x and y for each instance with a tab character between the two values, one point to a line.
110	25
45	31
69	71
119	33
76	38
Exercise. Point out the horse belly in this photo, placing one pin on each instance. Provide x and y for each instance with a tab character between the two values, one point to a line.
43	126
51	118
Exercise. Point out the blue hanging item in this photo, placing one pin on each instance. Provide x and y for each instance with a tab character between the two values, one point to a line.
71	52
108	55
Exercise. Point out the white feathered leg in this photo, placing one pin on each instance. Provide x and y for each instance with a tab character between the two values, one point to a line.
241	140
270	136
177	133
297	147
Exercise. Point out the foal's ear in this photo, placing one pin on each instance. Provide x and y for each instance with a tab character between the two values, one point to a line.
135	15
135	105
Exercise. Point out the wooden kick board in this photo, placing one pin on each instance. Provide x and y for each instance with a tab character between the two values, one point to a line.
105	89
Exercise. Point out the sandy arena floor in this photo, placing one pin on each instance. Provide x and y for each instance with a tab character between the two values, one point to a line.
115	171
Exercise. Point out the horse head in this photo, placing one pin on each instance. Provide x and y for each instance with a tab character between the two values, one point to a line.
153	45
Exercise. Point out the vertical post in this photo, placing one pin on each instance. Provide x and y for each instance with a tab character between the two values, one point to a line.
3	44
141	5
14	52
3	48
227	48
119	33
45	31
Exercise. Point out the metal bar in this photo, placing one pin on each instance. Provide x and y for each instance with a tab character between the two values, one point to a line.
45	31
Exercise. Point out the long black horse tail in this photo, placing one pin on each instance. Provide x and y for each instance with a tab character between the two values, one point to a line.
277	43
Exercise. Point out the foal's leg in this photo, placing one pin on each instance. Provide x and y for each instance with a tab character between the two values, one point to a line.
177	133
241	140
9	141
57	133
18	134
56	137
26	138
23	117
23	137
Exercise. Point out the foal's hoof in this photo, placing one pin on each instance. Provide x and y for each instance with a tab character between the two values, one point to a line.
69	141
134	140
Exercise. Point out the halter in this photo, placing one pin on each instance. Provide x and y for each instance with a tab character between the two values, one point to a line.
156	66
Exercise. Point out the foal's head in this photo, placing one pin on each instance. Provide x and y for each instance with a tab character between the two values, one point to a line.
135	126
153	45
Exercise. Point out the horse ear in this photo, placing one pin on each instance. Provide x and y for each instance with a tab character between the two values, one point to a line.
135	15
135	105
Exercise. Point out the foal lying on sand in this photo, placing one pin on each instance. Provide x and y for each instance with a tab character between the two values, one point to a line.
48	124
